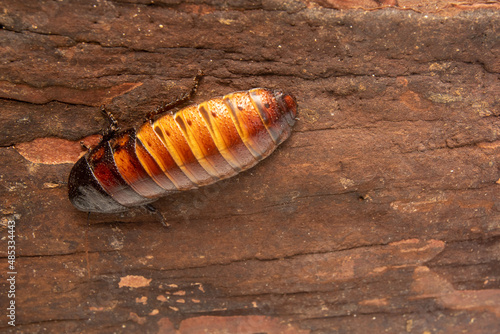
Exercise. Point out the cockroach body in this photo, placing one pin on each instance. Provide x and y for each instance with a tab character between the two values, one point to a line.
195	146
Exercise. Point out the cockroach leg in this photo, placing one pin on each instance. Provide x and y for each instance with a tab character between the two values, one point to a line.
113	123
152	209
166	106
85	147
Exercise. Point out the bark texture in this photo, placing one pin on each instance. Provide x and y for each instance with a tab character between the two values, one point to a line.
381	213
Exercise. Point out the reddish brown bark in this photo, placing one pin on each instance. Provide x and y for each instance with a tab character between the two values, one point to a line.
380	213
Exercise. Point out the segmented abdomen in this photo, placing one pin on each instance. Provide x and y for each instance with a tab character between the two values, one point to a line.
196	146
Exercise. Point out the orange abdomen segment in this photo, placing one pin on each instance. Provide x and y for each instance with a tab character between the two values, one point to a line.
161	155
219	123
197	135
170	129
249	124
130	167
153	169
274	119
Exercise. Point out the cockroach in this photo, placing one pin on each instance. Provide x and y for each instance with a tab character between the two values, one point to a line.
194	146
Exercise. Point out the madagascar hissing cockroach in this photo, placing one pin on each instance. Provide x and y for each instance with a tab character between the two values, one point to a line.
195	146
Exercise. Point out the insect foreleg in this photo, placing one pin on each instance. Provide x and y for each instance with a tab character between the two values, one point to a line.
152	209
113	123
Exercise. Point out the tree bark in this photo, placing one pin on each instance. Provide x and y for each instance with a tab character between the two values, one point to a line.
381	213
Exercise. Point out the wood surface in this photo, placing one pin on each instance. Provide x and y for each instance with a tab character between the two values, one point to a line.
381	213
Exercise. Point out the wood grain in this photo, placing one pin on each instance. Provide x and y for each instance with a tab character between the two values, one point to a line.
381	213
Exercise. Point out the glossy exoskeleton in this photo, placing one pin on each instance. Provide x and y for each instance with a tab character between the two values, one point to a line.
195	146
